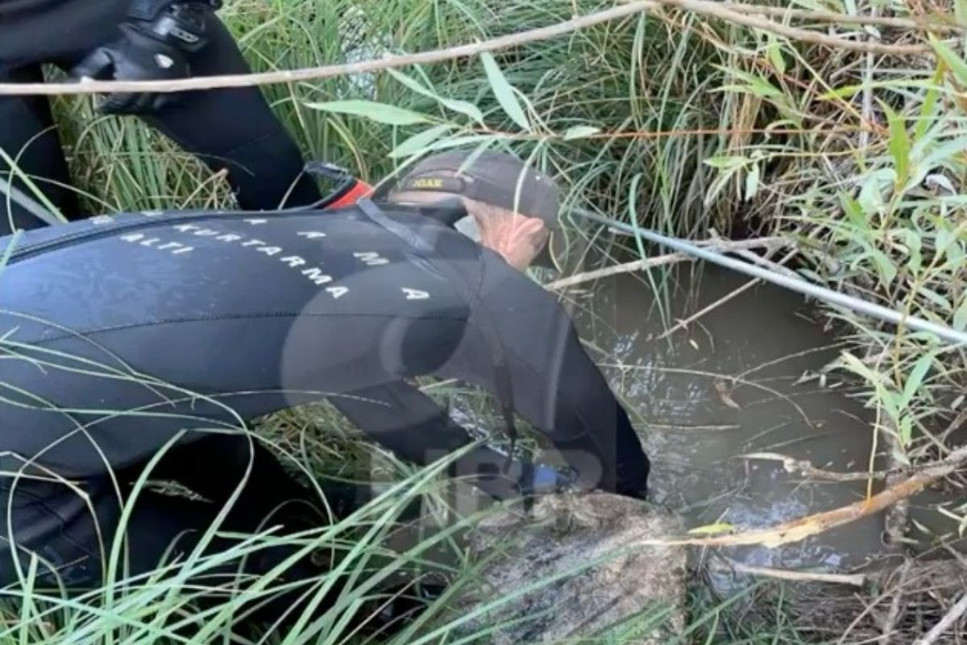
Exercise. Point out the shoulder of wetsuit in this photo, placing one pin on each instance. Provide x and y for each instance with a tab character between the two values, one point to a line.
447	213
34	241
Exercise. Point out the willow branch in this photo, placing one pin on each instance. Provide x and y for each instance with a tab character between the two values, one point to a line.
315	73
802	528
718	10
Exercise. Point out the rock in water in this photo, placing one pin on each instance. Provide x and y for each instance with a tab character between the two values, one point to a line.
589	546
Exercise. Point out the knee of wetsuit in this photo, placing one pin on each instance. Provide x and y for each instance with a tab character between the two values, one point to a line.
267	173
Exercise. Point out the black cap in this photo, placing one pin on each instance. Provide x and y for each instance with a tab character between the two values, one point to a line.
494	178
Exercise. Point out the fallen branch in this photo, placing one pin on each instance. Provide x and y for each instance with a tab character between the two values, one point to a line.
628	267
802	528
728	13
327	71
853	579
948	621
670	258
806	469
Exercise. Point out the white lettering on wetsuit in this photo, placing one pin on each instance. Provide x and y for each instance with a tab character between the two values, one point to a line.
370	258
316	275
415	294
176	248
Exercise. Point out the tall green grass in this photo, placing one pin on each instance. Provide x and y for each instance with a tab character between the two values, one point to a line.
672	121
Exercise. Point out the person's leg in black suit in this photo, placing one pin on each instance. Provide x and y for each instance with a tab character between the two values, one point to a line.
235	129
29	136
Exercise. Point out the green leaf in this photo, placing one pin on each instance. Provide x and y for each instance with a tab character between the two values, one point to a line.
580	131
884	267
935	298
411	83
752	182
960	316
915	379
504	92
906	430
379	112
456	142
929	107
844	92
913	244
891	403
857	366
948	151
953	61
755	85
463	107
899	144
870	198
726	161
419	141
774	51
854	212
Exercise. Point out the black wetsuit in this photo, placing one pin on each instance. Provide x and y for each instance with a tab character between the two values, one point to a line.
233	129
119	332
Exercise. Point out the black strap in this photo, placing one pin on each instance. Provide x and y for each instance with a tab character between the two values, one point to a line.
503	384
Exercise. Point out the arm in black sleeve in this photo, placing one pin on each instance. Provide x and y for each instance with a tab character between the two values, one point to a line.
556	386
406	421
589	426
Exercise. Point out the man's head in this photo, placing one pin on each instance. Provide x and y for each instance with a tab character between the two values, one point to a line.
512	208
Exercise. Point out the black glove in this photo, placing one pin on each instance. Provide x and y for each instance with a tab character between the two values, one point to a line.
153	46
538	479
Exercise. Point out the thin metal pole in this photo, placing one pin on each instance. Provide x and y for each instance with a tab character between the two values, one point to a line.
794	283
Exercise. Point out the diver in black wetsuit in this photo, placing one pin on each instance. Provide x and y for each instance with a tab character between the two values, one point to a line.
118	332
232	129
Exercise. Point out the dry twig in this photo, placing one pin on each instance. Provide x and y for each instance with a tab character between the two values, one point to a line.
853	579
670	258
705	7
896	604
946	623
805	468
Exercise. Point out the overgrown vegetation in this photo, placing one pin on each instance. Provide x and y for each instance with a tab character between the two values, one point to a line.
683	123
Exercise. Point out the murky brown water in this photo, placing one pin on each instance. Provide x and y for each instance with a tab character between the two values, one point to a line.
743	378
729	384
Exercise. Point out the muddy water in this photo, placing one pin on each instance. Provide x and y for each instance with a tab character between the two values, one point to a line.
741	379
744	378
